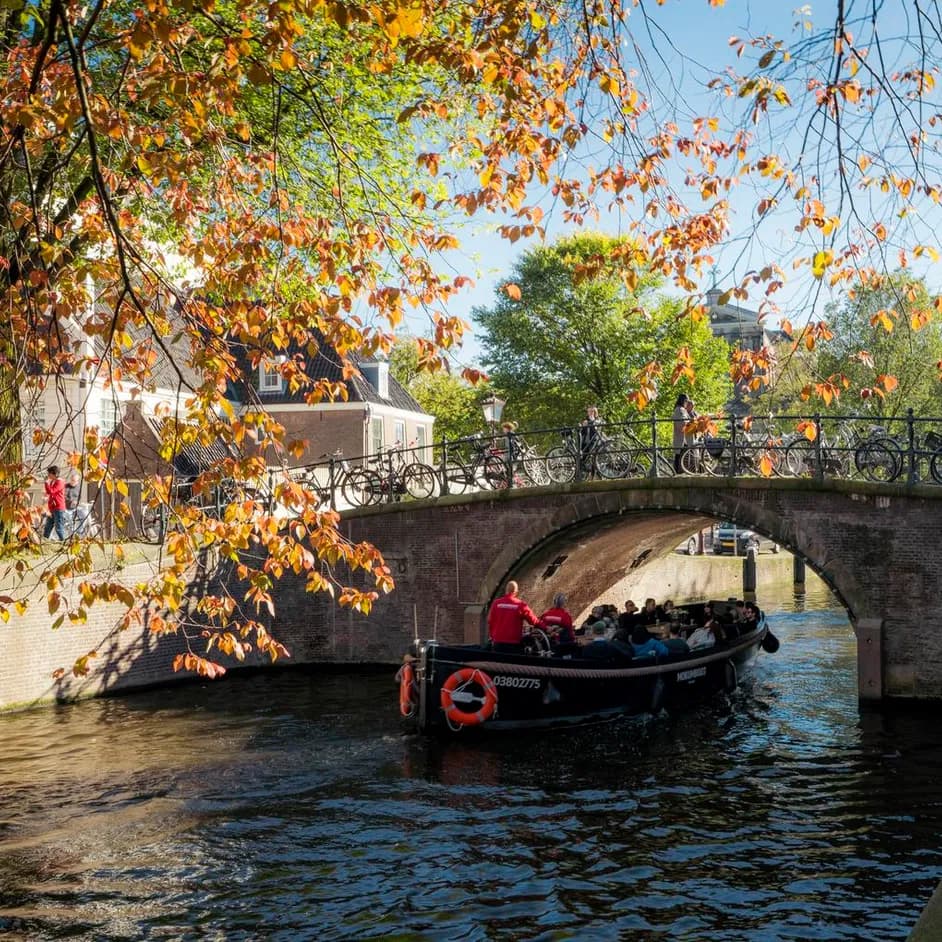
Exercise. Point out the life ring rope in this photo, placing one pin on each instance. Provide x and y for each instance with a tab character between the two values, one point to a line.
455	691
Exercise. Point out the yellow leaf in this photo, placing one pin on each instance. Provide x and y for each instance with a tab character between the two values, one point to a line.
609	84
288	59
765	466
820	262
512	291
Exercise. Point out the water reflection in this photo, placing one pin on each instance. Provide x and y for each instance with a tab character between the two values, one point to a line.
293	806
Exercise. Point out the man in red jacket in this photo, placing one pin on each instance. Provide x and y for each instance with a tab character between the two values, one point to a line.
55	503
506	618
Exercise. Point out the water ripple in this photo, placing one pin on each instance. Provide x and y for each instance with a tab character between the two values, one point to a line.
292	806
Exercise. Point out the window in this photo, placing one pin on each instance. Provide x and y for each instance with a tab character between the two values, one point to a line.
376	435
110	413
399	434
269	376
420	438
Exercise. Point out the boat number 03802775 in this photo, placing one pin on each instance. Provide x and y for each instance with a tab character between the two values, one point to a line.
523	683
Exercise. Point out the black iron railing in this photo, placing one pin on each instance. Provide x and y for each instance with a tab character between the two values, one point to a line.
905	449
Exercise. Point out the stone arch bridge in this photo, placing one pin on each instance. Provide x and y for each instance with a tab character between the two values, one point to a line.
875	545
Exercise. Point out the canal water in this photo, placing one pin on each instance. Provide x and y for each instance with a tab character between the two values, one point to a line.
292	806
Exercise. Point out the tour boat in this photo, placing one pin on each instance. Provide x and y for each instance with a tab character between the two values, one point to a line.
447	688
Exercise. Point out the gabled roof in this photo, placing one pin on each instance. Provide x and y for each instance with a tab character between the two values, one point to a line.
327	364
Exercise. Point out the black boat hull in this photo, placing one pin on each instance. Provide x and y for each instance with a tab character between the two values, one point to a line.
493	692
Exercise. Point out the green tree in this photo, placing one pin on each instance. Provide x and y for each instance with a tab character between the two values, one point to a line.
454	402
577	335
879	356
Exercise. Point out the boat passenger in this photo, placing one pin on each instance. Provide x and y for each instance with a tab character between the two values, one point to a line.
649	615
627	620
752	617
667	610
703	637
506	619
739	612
674	643
558	623
646	646
601	649
586	627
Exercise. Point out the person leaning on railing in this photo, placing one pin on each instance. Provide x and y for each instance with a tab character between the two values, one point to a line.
589	431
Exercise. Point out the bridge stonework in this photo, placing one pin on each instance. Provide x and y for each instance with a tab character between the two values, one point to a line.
876	545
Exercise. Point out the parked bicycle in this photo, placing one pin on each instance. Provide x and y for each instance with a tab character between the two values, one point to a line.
883	457
392	477
755	455
474	463
354	484
598	457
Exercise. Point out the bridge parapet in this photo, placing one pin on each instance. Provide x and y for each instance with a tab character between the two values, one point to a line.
905	449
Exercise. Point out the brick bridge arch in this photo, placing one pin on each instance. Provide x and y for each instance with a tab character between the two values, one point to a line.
873	544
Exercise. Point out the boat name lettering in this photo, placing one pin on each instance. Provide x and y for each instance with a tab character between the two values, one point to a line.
525	683
691	674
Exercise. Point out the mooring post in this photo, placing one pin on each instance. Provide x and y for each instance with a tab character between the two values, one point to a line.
869	632
749	575
798	573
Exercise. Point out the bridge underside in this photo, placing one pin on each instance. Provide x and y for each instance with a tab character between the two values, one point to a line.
589	559
875	545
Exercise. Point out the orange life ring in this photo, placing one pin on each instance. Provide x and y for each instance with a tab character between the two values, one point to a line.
406	680
458	681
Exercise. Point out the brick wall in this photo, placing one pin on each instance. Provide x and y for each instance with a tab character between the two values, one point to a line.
875	546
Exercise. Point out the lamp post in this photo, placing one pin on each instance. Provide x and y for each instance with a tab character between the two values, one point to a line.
493	410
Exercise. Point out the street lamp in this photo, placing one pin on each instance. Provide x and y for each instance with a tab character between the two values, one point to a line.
493	409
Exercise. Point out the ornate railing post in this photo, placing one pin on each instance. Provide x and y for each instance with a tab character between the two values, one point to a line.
332	481
576	439
270	501
443	467
509	446
818	459
654	470
733	445
912	474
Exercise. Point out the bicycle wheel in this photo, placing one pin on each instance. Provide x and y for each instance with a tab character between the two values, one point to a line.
458	480
800	458
935	467
637	463
751	458
534	469
697	460
361	487
879	460
560	465
611	460
495	473
419	480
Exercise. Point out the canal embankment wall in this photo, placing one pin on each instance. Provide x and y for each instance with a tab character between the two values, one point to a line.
313	628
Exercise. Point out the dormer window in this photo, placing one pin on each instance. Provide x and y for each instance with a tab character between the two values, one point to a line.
270	379
376	373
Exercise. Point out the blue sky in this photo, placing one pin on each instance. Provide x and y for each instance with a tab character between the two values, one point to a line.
676	83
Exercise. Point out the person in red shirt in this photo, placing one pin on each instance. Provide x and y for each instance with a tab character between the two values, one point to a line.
55	503
506	618
558	622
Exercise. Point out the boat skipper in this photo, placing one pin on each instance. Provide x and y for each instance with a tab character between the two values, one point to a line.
506	618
